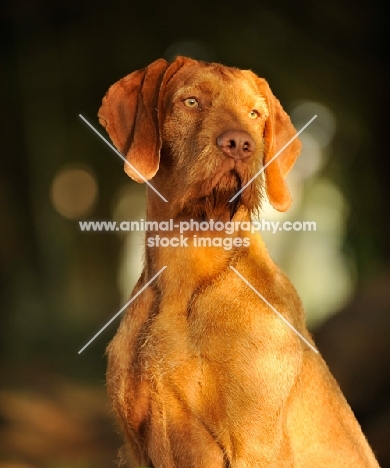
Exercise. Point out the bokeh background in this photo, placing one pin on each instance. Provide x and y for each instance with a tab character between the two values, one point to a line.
60	285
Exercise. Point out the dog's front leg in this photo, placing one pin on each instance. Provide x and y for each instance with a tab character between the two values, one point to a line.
127	390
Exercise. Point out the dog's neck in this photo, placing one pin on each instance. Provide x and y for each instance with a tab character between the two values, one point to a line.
193	257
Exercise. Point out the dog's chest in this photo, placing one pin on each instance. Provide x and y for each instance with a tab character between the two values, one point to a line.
227	344
228	322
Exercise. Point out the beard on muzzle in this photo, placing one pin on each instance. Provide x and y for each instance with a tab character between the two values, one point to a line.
224	191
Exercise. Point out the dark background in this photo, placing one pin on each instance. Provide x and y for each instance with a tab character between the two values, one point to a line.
59	286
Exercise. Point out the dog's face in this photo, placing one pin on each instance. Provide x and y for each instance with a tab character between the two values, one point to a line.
202	131
201	107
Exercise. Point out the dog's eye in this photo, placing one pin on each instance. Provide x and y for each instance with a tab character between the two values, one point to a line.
191	102
253	114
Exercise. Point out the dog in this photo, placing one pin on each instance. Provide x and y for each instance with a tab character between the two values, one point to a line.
202	372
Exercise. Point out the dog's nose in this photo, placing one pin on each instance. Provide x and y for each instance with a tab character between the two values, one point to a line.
236	143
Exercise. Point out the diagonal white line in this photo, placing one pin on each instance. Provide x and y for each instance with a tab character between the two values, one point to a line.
272	159
124	159
123	308
276	312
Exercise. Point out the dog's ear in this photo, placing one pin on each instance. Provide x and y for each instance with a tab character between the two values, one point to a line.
129	114
278	131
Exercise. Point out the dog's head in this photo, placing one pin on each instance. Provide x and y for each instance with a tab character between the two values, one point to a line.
202	131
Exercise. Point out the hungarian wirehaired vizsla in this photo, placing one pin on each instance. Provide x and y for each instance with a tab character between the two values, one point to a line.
202	372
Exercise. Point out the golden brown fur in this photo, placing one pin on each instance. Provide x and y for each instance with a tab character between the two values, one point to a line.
202	373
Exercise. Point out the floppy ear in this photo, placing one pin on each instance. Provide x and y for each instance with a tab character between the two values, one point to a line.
129	114
278	131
